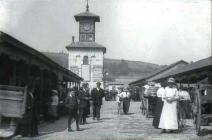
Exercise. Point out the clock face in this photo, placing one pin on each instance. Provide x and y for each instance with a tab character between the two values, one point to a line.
87	27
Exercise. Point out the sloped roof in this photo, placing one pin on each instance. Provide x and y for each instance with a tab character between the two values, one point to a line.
60	58
87	15
207	62
159	72
166	68
34	53
196	65
86	45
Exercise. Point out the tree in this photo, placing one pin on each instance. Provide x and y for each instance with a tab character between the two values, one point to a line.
124	68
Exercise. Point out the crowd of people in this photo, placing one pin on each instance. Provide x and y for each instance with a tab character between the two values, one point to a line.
77	101
170	107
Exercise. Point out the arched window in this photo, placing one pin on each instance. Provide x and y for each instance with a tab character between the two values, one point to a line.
85	60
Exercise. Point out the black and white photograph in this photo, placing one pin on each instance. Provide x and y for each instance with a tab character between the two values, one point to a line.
106	69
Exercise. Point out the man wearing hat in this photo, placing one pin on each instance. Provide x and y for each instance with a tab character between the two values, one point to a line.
84	98
168	119
97	94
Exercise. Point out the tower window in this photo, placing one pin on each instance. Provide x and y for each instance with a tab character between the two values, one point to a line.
82	37
85	60
90	37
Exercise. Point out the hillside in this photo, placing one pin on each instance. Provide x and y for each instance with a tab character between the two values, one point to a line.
117	68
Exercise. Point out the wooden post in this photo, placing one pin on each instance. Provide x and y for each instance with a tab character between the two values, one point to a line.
188	84
78	85
14	73
0	120
28	73
70	85
12	123
41	91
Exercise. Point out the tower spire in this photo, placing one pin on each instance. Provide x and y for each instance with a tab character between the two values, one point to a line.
87	7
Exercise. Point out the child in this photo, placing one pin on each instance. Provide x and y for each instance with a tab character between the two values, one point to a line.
119	101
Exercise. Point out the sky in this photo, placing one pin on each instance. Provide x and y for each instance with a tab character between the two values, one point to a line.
155	31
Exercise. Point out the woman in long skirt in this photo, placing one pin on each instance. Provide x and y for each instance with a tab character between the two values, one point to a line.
53	108
27	126
168	119
158	106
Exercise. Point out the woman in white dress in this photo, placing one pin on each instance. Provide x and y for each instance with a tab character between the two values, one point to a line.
126	100
119	101
168	119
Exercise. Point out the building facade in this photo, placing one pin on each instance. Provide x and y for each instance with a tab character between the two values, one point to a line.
86	57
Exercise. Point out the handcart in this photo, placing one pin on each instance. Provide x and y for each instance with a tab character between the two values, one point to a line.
12	106
203	107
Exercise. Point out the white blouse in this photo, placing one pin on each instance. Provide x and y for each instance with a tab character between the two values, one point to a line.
184	95
160	92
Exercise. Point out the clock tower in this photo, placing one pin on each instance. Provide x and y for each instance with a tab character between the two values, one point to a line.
87	25
86	57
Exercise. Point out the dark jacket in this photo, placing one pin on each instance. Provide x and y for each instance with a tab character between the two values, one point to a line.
71	101
97	96
84	98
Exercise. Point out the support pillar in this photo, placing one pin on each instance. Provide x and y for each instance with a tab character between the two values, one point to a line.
0	120
14	73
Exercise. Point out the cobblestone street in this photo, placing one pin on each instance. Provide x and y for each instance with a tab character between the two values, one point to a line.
113	126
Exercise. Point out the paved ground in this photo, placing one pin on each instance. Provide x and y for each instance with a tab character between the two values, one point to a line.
113	126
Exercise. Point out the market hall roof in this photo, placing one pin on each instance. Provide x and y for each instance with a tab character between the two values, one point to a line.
86	46
34	54
144	79
192	67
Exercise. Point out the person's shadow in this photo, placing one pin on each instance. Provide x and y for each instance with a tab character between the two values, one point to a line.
105	118
57	126
205	132
127	113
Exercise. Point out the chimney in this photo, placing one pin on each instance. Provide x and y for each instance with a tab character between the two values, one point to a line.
72	38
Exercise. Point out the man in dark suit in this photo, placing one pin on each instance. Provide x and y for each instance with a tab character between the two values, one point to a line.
84	98
96	95
72	105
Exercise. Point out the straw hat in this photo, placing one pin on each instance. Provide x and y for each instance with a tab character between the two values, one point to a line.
171	80
54	92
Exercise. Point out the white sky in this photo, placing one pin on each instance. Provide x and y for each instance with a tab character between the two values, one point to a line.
157	31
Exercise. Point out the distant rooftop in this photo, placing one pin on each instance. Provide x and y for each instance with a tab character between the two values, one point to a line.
60	58
160	71
203	63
